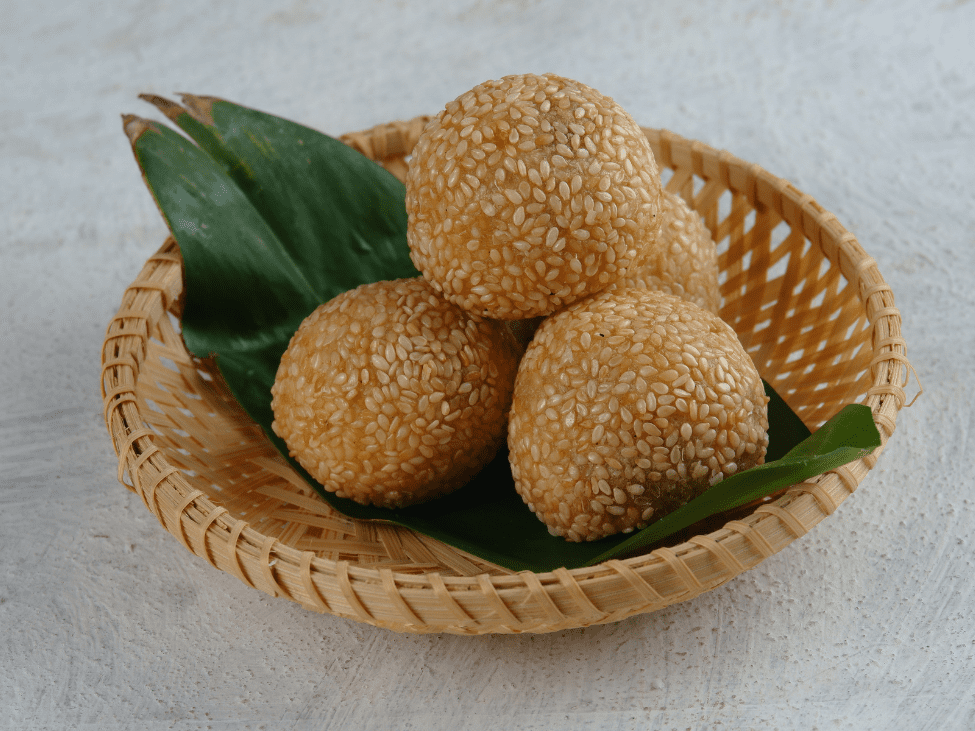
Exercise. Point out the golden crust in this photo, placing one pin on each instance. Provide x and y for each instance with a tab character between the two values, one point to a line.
627	405
389	395
681	260
529	193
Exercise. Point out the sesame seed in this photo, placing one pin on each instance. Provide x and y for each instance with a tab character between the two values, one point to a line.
519	216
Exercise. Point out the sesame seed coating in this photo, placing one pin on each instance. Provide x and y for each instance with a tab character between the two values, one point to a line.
528	193
683	258
627	405
390	395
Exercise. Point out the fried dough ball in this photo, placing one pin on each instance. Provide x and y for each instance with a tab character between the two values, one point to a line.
627	405
390	395
529	193
683	258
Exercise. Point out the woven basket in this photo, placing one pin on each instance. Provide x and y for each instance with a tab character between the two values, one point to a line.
806	300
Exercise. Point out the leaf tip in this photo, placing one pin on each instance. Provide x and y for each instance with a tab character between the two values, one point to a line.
200	107
135	127
172	110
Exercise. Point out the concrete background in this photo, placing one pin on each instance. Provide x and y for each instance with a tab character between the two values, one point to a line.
106	622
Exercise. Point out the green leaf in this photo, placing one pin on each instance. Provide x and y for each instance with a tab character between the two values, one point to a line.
273	218
231	256
340	215
848	436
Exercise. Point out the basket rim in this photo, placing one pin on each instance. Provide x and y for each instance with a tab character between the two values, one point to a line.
766	531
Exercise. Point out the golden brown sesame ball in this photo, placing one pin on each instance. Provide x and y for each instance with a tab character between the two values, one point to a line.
528	193
683	258
627	405
390	395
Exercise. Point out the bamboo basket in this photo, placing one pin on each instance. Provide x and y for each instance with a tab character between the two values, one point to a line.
806	300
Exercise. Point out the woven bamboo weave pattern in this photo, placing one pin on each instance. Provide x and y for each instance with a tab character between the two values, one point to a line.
807	302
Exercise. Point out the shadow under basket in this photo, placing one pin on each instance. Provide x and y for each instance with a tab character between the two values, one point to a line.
807	302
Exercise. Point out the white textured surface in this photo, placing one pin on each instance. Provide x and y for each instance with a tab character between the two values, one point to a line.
106	622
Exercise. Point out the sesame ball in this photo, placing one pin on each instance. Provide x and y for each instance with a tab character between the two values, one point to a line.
682	260
627	405
529	193
390	395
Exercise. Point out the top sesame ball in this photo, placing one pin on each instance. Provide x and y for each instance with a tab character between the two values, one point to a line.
528	193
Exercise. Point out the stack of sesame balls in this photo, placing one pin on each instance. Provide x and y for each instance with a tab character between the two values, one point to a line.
533	202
